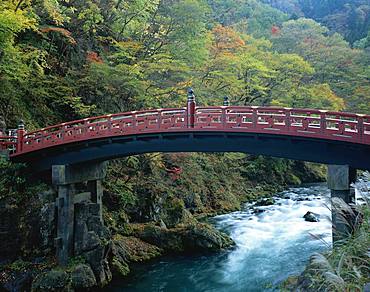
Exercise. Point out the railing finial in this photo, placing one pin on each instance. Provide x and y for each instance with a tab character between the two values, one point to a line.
191	104
226	101
21	125
20	136
191	95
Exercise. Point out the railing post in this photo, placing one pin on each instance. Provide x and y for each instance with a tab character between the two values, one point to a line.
20	136
223	113
159	119
287	118
254	116
360	128
322	121
191	108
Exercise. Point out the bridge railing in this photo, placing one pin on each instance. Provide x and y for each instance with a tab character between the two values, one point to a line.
8	143
106	126
300	122
272	120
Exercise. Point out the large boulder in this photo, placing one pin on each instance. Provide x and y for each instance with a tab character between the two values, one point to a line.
265	202
311	217
83	277
119	258
135	249
54	280
167	239
204	237
183	238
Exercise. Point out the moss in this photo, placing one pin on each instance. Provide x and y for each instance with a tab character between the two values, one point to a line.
54	280
136	249
289	284
120	268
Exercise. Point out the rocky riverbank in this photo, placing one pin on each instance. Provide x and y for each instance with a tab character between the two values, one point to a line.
148	212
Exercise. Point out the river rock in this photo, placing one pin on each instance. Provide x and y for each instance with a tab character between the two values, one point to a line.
54	280
265	202
204	237
183	238
301	199
83	277
257	211
167	239
119	257
311	217
137	250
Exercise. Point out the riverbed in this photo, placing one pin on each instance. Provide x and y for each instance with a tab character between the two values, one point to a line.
272	243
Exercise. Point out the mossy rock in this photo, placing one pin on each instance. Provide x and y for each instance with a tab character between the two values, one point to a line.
169	240
54	280
136	249
265	202
83	277
120	267
173	210
289	284
204	237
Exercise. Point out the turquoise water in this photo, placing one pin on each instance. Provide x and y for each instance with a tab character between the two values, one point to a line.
270	246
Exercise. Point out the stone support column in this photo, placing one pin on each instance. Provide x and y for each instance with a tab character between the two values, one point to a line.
340	178
65	223
96	189
64	178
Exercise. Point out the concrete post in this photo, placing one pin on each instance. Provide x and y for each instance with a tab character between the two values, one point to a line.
340	178
64	178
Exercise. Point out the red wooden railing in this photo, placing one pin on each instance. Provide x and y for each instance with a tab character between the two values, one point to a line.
311	123
8	143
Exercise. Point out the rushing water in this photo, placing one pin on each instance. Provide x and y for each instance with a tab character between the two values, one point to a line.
270	246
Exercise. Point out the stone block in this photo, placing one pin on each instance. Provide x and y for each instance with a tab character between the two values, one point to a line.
340	177
70	174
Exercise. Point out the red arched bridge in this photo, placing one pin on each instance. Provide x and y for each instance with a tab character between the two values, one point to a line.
302	134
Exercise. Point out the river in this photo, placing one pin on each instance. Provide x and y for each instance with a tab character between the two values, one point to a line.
270	245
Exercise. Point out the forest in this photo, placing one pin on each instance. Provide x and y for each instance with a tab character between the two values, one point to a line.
62	60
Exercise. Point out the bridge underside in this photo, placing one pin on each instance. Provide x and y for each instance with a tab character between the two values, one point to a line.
297	148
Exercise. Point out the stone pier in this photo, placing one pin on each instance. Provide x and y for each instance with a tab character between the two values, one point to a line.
68	180
340	178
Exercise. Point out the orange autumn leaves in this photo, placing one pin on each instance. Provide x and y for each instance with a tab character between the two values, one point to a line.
225	41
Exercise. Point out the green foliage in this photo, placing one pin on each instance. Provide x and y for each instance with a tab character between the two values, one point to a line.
12	184
62	61
335	63
74	261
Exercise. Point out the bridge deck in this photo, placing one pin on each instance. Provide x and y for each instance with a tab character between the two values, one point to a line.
301	134
336	126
